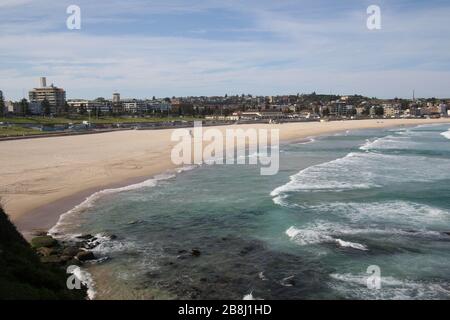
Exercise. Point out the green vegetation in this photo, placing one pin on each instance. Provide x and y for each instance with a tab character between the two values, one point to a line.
100	120
43	241
15	131
23	276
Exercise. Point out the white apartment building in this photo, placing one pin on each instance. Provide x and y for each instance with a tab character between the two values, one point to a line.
54	95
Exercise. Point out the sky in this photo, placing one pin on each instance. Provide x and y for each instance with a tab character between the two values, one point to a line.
168	48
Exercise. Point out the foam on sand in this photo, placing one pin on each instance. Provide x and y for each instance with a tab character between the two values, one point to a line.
90	201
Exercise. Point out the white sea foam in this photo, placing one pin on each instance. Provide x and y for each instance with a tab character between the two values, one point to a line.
446	134
308	140
330	232
250	297
389	142
326	176
262	276
349	244
104	245
355	286
403	212
364	170
314	235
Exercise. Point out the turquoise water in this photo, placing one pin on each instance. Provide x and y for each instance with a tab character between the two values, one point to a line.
339	204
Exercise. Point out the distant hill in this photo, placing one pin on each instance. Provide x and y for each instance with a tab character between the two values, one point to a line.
22	275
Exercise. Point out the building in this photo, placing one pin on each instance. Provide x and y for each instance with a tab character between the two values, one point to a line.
391	111
257	115
116	97
116	103
362	110
13	107
158	106
134	106
443	108
95	106
54	95
339	109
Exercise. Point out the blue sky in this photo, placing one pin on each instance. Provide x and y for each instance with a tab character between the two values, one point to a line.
182	47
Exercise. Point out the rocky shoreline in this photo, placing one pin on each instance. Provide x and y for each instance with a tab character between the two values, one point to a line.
65	253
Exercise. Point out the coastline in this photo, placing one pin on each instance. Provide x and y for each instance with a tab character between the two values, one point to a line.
41	211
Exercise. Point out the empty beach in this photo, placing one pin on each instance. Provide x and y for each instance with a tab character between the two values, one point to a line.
45	177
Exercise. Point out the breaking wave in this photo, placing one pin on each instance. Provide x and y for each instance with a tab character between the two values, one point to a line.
310	236
446	134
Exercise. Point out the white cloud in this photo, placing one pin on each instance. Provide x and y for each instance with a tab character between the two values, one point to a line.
297	54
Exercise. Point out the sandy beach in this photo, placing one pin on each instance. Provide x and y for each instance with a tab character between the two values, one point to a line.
45	177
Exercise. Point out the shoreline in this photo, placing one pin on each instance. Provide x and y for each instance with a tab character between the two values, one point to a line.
43	216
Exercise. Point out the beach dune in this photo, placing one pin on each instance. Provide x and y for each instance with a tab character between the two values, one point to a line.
44	177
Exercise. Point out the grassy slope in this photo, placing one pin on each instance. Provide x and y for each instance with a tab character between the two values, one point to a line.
80	119
17	131
22	275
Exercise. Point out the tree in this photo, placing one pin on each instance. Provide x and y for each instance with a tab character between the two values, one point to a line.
2	107
25	107
379	111
46	107
66	108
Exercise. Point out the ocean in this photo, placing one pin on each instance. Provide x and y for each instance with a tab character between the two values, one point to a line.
340	205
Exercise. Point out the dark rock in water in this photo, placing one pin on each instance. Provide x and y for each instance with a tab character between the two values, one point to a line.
64	258
113	237
52	260
74	262
447	233
85	237
45	252
247	250
43	241
195	252
182	251
85	256
39	233
71	251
